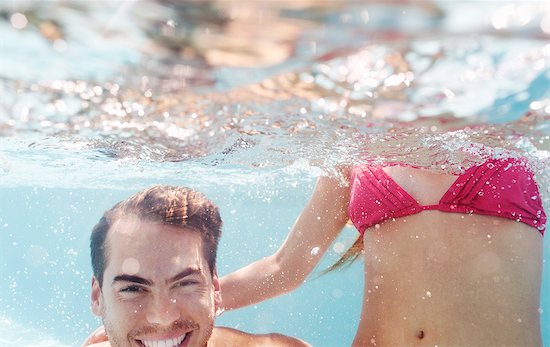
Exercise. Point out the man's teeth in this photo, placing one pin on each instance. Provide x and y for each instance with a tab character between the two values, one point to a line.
164	343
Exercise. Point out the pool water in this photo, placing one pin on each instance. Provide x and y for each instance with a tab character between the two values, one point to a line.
248	103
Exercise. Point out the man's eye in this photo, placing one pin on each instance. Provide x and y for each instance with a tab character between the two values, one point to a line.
132	289
187	283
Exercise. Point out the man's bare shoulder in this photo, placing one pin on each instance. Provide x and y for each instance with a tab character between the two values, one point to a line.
228	337
221	337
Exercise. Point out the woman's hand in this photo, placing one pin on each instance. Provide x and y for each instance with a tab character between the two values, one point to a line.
98	338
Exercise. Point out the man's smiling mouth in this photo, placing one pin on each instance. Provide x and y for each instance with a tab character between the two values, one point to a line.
175	342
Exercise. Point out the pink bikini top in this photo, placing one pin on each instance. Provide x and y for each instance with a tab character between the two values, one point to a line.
498	187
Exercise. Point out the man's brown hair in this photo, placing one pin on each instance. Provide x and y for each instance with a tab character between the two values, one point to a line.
177	206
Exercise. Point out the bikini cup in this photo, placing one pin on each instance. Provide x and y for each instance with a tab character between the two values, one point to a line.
499	187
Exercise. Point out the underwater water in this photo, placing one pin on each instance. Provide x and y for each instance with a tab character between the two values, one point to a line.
248	102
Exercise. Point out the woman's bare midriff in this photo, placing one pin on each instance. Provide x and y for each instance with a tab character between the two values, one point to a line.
446	279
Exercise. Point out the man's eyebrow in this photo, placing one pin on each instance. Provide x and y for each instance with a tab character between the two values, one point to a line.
187	272
136	279
131	278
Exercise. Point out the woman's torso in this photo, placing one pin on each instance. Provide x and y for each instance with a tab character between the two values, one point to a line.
449	279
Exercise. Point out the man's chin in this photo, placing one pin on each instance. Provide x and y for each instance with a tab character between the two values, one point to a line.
184	335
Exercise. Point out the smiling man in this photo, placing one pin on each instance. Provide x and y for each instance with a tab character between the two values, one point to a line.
155	282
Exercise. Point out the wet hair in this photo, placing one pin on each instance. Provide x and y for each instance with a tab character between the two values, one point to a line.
348	257
176	206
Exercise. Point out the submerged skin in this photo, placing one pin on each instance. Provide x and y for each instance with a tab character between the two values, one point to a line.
432	278
221	337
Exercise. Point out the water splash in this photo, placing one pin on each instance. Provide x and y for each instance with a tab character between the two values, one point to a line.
188	87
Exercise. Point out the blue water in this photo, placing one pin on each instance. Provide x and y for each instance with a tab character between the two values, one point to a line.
248	104
46	271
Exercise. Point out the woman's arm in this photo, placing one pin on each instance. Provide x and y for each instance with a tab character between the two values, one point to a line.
317	226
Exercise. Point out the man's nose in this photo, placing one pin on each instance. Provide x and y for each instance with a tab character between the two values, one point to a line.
163	310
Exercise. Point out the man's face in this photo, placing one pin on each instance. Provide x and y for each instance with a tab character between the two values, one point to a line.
157	287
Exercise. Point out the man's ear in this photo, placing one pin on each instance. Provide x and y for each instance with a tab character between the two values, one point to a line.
217	293
97	298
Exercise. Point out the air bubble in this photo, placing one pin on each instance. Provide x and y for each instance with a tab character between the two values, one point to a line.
18	21
315	251
130	266
219	311
338	247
